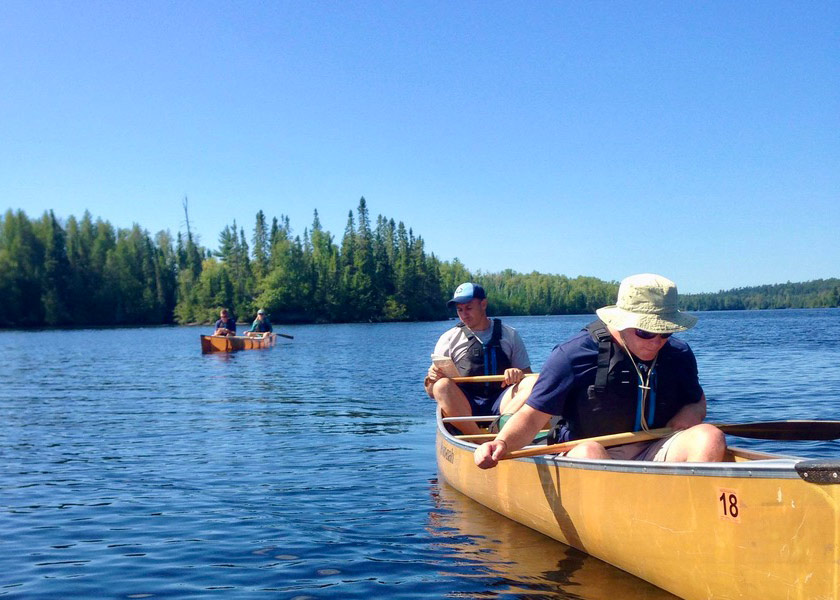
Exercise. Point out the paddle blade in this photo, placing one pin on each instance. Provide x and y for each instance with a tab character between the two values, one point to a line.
784	430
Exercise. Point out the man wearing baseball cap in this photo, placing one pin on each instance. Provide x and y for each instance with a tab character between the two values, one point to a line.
260	326
477	346
623	372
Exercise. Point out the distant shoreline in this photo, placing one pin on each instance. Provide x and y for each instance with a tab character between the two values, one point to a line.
501	316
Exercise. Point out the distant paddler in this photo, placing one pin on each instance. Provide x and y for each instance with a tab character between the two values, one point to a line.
226	325
260	326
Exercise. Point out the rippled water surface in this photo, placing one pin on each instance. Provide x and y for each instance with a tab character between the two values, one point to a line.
133	466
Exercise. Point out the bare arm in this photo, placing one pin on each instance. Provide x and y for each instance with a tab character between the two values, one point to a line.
689	415
432	375
518	432
514	375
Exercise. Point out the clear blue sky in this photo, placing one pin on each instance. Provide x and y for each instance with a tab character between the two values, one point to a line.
699	140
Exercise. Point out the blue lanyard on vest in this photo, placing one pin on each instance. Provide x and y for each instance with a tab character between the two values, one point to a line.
651	398
492	360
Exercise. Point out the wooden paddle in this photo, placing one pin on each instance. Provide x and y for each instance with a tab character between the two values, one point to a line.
486	378
763	430
614	439
783	430
286	335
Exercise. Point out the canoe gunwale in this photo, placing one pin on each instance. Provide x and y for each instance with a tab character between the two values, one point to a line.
779	467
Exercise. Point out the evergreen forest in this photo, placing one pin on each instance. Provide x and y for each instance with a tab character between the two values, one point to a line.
87	272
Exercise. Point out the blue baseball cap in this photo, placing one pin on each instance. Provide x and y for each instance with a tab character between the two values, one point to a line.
466	292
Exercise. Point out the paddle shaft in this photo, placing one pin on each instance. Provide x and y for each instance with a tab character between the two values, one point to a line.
286	335
486	378
767	430
614	439
762	430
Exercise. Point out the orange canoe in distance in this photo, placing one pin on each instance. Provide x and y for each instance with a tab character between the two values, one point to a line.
232	343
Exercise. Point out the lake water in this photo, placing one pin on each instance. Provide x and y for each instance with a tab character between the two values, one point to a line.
133	466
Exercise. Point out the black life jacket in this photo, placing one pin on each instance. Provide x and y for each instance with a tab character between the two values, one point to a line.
483	359
612	403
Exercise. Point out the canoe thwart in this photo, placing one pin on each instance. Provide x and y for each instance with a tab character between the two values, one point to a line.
486	437
470	419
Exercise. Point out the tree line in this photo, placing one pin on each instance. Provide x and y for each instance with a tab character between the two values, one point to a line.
87	272
377	272
83	273
820	293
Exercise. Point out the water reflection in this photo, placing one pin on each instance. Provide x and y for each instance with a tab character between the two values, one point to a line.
516	562
303	470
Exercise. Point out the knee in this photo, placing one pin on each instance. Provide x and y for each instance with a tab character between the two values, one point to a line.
588	450
709	434
709	438
444	387
516	395
524	387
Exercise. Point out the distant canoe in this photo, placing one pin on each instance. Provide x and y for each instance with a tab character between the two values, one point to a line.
758	526
232	343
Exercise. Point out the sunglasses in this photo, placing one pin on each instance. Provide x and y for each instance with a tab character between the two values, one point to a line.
647	335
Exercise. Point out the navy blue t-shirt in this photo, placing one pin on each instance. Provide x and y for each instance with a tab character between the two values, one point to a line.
228	324
571	367
263	326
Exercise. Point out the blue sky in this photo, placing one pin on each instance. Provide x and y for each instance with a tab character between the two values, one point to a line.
698	140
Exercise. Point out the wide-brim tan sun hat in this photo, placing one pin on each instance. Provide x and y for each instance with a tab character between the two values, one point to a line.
647	302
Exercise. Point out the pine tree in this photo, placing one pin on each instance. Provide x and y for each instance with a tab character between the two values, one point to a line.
261	247
404	278
346	309
166	272
57	277
21	267
367	300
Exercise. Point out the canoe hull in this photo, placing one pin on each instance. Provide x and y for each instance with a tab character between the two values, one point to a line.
731	530
233	343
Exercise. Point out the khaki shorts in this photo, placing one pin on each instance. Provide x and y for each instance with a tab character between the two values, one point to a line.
656	450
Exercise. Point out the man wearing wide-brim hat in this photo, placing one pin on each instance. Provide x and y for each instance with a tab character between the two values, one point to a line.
623	372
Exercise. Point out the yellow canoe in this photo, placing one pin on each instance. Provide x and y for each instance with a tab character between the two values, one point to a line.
523	563
755	527
232	343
